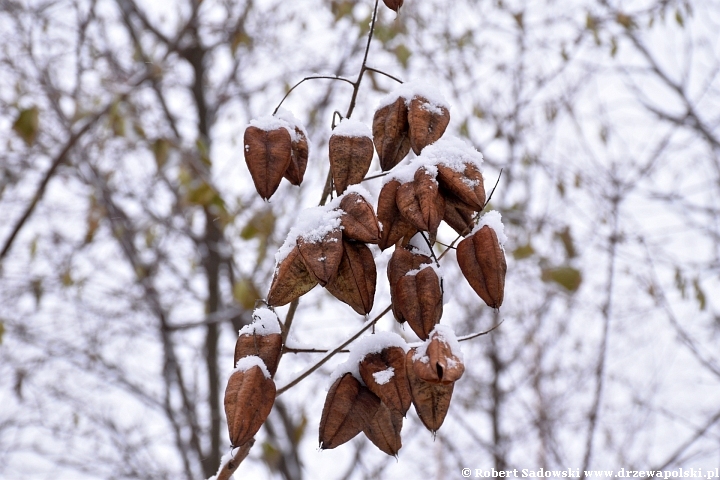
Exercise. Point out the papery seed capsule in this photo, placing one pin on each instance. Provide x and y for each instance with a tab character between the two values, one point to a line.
267	155
482	262
249	398
427	122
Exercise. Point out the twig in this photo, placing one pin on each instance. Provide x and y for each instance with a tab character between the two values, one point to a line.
432	252
375	176
327	191
313	77
229	468
363	67
479	334
287	349
493	190
289	319
327	357
383	73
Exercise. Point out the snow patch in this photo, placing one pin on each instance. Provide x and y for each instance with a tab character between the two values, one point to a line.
265	322
493	220
366	345
283	119
246	363
409	90
444	334
349	127
452	152
449	151
384	376
312	226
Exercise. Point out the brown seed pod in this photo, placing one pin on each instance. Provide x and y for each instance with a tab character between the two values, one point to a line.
384	374
401	262
267	154
390	133
432	204
393	5
439	364
350	159
418	300
348	408
457	214
482	262
298	158
467	186
356	278
322	258
261	338
409	206
431	400
249	398
384	429
394	227
427	122
292	280
359	221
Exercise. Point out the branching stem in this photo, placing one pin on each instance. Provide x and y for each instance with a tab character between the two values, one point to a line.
332	353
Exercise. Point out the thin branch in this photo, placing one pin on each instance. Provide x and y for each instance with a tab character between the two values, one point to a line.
314	77
289	319
432	252
327	357
465	338
370	69
59	159
363	68
287	349
493	190
379	175
688	443
229	468
602	355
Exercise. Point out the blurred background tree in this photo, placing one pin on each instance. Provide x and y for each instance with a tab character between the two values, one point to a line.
133	245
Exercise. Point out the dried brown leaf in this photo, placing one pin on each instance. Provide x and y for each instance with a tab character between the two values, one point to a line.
267	154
